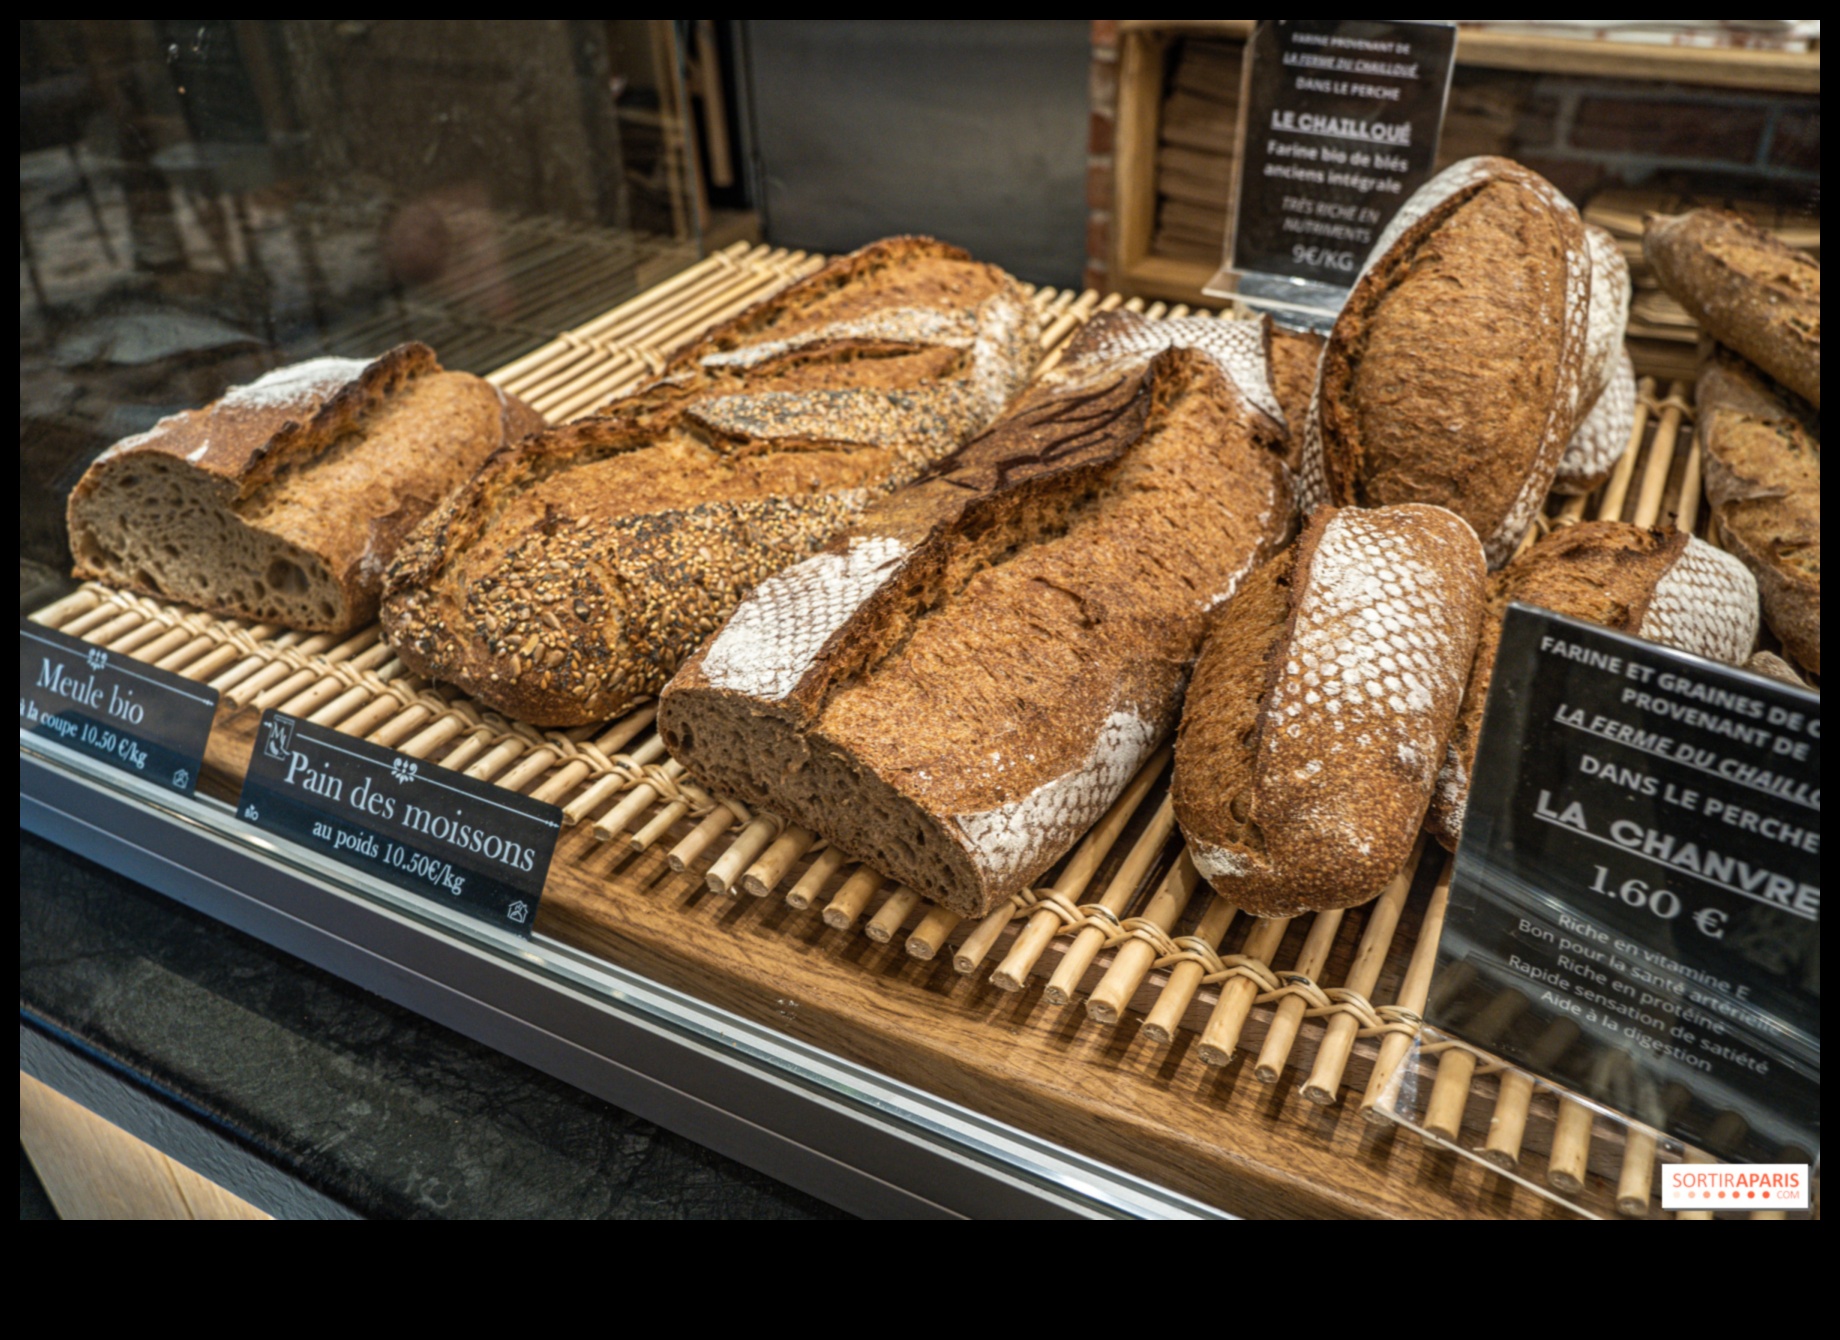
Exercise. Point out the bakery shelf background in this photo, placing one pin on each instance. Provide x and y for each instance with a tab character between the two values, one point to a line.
1619	128
1119	1006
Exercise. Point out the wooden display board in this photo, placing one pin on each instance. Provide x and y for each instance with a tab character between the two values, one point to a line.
1119	1008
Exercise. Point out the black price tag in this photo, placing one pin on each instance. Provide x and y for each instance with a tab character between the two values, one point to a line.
1339	123
1639	883
457	841
112	707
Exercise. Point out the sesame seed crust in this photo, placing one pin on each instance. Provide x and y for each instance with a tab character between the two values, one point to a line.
572	575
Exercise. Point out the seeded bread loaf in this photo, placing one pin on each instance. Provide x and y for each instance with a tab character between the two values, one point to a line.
569	578
283	500
1663	585
1455	374
1746	289
1610	379
1321	707
1762	451
957	687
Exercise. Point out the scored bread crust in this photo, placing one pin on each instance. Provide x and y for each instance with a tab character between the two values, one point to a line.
570	577
1295	356
1663	585
1455	374
1610	379
1746	288
955	689
283	501
1310	796
1762	451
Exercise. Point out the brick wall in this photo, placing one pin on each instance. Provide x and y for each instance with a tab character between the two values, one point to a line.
1099	138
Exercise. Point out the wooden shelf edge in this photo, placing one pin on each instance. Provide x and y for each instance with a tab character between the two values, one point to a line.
1780	71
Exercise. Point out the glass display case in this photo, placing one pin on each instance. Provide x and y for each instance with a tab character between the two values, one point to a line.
558	207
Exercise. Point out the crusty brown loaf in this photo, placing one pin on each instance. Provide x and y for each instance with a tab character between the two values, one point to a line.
1762	451
1454	374
570	577
1295	355
956	688
1746	289
1663	585
283	500
1321	707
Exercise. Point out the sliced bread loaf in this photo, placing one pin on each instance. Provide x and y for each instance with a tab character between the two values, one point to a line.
569	578
284	500
958	686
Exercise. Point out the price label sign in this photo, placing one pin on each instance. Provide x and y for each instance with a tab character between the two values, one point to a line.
457	841
1339	124
115	709
1635	911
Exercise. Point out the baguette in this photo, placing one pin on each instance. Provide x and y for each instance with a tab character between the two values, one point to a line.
1663	585
283	500
1762	451
569	578
958	687
1455	374
1321	707
1745	289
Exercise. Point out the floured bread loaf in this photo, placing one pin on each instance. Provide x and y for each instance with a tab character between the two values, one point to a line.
1295	356
283	500
1663	585
1321	707
1455	374
959	685
1762	449
570	577
1610	378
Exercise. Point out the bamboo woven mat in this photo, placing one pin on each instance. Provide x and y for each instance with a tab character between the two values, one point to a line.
1121	935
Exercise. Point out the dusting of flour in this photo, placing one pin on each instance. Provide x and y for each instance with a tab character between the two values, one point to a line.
770	643
1009	838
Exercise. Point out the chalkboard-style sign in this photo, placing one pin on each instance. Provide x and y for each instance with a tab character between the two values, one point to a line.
457	841
1635	911
113	708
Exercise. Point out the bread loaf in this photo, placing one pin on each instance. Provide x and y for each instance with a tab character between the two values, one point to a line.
283	500
958	686
569	578
1610	379
1321	707
1663	585
1455	374
1295	356
1746	289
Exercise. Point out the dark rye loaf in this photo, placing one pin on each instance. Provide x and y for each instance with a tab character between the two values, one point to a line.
1746	289
1321	707
283	500
1664	585
1762	449
1455	374
958	686
569	578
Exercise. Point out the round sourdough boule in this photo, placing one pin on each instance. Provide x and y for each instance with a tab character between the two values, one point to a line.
1663	585
1456	372
1321	706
